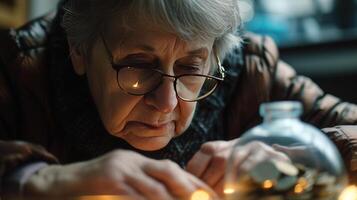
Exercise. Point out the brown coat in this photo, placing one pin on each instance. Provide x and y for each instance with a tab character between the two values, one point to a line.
26	112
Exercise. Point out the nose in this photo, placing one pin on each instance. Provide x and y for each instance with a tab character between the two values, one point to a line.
164	97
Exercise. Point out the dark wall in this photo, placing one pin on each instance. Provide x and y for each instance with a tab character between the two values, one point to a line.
332	65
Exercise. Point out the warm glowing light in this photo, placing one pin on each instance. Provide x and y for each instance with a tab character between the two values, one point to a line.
103	197
228	191
268	184
200	195
303	182
299	188
349	193
136	85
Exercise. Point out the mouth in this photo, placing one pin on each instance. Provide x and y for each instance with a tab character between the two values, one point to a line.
154	126
143	129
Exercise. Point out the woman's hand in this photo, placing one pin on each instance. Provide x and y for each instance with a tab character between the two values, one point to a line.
210	162
116	173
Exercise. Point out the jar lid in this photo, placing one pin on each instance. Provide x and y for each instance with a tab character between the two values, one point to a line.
281	106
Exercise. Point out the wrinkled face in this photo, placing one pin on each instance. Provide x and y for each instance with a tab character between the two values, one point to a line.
150	121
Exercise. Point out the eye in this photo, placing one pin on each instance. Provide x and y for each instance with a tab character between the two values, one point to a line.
143	65
135	64
188	69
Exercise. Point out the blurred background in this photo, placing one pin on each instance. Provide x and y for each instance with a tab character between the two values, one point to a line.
14	13
317	37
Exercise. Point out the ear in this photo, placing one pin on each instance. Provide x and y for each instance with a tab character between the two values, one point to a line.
78	60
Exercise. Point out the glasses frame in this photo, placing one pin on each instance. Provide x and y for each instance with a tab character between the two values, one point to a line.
118	67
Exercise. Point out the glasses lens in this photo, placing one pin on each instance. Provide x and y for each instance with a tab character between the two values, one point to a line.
138	81
195	87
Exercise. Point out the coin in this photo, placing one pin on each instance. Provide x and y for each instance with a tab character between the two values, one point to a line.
285	183
325	179
264	171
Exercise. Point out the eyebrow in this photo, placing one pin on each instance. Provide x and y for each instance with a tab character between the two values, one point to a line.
145	47
196	52
200	51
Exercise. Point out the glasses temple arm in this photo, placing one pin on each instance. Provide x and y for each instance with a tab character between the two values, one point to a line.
221	69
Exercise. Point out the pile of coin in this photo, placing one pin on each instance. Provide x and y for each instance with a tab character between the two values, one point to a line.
280	180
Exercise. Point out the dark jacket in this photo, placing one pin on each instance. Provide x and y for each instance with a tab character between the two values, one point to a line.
38	99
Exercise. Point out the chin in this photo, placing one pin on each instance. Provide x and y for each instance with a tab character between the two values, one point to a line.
149	144
147	138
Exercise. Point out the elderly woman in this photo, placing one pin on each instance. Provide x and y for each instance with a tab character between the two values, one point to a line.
117	92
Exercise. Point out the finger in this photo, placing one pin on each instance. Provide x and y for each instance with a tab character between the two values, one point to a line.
215	175
198	163
239	156
291	151
148	187
280	152
219	187
258	153
202	186
175	179
233	142
217	167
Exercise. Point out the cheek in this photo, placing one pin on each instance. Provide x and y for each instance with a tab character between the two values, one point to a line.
114	109
112	104
187	110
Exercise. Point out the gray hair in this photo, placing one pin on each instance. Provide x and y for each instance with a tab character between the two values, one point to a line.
189	19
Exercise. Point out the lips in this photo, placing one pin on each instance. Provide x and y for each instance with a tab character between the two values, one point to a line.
143	129
154	126
145	124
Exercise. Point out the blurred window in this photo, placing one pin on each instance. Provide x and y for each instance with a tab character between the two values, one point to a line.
299	22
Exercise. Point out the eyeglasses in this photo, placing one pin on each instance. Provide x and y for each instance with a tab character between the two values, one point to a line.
140	80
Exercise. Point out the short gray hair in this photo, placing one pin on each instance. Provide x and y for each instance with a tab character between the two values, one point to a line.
189	19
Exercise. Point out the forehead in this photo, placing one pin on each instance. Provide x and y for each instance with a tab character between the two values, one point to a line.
151	35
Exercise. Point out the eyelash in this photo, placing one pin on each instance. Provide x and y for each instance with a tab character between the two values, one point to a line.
141	63
192	67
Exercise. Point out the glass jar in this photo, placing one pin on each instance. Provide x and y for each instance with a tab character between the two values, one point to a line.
313	168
